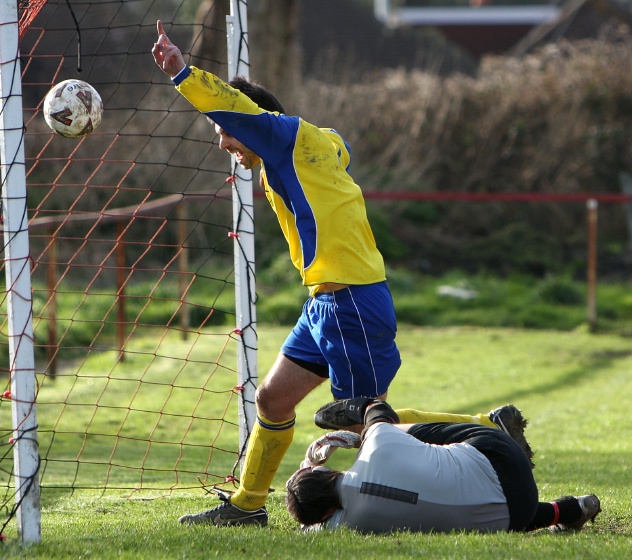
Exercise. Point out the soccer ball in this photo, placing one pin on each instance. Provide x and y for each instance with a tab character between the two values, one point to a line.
73	108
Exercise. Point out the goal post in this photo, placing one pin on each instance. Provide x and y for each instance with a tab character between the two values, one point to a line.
18	281
137	218
243	231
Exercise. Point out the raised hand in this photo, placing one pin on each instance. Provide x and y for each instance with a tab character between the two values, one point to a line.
167	56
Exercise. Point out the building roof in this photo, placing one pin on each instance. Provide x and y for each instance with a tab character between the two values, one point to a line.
579	19
485	28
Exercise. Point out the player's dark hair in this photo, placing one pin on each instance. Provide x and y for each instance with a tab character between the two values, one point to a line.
311	495
260	95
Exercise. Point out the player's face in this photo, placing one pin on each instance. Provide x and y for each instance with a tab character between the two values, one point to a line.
245	157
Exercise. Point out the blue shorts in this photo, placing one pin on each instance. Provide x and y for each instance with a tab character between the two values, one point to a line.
352	331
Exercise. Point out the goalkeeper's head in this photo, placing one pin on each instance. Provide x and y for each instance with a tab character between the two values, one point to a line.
311	495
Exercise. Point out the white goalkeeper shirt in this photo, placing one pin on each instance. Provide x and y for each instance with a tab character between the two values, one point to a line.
399	482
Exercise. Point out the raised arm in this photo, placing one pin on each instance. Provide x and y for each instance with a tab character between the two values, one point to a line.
167	56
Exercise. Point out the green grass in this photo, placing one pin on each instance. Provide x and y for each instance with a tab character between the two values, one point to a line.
573	386
555	302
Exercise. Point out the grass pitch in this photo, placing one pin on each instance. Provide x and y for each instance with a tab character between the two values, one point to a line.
573	386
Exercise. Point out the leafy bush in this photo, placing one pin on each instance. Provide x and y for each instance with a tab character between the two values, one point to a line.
560	291
555	122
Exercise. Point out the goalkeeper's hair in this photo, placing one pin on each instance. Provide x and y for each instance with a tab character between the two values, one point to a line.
260	95
311	495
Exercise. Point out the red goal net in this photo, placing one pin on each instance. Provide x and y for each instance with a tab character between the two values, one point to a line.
132	264
27	11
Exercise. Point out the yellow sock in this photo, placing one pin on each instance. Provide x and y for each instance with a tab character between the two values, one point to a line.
411	416
266	448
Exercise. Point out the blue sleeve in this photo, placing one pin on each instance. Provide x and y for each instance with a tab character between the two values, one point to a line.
268	135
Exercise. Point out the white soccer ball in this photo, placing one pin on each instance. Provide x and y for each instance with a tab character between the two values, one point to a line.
73	108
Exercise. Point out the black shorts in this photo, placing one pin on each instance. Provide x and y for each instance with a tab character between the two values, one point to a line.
507	458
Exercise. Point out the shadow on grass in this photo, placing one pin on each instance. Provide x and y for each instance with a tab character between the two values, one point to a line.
597	361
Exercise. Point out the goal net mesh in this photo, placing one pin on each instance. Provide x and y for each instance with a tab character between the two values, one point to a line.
131	261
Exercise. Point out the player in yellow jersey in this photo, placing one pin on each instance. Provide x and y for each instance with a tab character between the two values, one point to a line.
346	332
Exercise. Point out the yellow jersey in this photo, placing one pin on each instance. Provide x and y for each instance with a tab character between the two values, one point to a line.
319	206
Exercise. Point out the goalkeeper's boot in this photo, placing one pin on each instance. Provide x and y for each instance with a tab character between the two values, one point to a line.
510	420
590	507
343	413
227	514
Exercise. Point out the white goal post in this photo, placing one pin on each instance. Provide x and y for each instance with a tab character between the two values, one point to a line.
18	280
243	231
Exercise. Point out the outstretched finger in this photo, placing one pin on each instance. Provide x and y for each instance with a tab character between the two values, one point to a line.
162	36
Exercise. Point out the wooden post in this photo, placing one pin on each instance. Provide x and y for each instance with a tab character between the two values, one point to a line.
51	273
183	267
120	289
592	207
625	179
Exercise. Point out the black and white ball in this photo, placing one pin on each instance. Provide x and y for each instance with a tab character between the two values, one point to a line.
73	108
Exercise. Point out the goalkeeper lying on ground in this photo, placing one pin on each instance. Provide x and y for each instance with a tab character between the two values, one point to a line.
435	476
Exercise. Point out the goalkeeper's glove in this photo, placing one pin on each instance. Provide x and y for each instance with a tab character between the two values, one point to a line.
321	449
